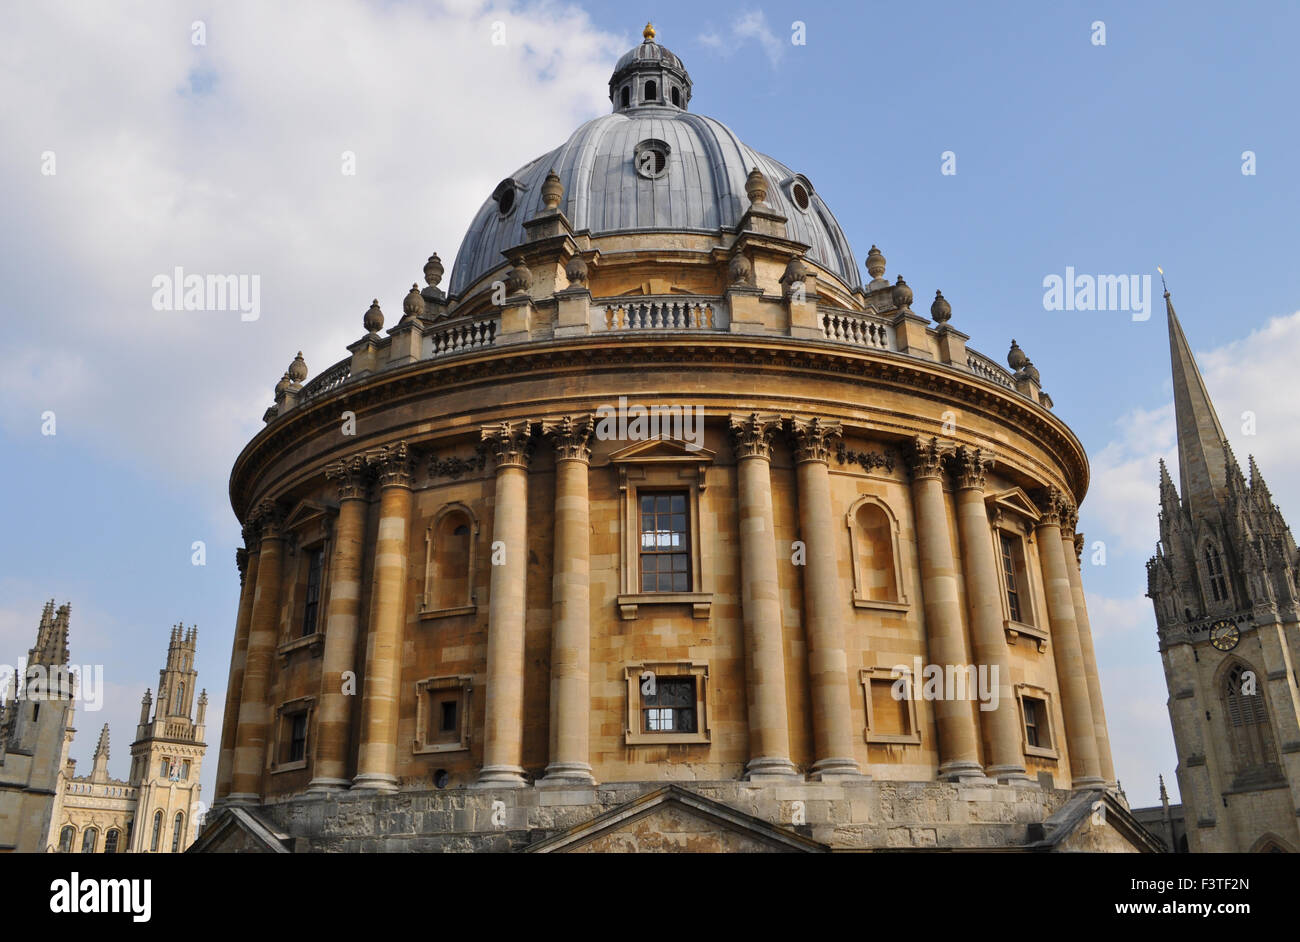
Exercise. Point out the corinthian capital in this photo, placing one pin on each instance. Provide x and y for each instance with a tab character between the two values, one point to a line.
511	443
1069	516
1054	506
972	465
268	518
751	435
926	458
393	465
813	437
570	436
352	475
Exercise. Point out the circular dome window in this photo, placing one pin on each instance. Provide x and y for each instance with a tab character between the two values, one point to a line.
505	195
650	158
800	194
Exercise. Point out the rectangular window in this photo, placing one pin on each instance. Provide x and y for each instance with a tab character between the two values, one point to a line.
671	707
297	737
890	714
1009	567
1037	732
442	714
665	543
315	563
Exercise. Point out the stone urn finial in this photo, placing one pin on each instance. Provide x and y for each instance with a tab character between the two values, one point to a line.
795	274
875	264
520	277
280	387
552	191
940	310
297	369
576	272
756	187
373	319
1016	357
433	270
902	296
412	304
740	271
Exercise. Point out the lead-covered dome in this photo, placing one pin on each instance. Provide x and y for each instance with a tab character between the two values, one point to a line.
651	166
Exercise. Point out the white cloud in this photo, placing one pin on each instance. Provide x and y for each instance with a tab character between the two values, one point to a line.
226	158
751	26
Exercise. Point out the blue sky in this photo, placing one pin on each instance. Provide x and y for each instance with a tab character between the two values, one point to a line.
224	157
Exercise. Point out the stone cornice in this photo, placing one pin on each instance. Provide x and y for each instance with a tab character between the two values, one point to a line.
773	356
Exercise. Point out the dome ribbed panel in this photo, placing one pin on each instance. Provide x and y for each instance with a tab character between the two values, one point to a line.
703	190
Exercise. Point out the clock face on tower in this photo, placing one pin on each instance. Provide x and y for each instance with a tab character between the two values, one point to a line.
1224	635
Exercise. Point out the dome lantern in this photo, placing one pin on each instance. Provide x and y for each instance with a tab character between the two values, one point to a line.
649	76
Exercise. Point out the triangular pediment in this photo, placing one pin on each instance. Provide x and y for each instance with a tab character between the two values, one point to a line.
671	819
1015	501
306	513
240	831
660	450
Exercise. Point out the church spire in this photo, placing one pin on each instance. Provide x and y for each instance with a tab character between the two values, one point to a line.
1201	454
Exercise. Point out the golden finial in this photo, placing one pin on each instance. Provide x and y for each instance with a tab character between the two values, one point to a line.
648	32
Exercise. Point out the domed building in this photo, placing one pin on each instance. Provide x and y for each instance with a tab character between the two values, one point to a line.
660	529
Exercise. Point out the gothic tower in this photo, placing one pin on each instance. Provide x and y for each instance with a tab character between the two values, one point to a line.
167	755
36	711
1223	582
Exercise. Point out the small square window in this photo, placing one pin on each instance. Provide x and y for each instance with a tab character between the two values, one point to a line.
1035	709
671	708
442	714
667	702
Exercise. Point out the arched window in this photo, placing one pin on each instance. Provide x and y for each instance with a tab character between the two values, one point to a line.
110	841
65	839
651	91
1214	567
449	560
677	97
177	832
873	537
1246	716
88	840
157	832
625	96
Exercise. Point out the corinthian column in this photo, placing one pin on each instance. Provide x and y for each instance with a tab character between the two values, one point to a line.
958	758
342	622
254	710
827	662
1080	736
1073	546
571	605
246	559
769	733
377	755
503	741
1001	726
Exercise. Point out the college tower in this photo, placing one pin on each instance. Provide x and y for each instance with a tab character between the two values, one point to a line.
46	806
1223	582
640	529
